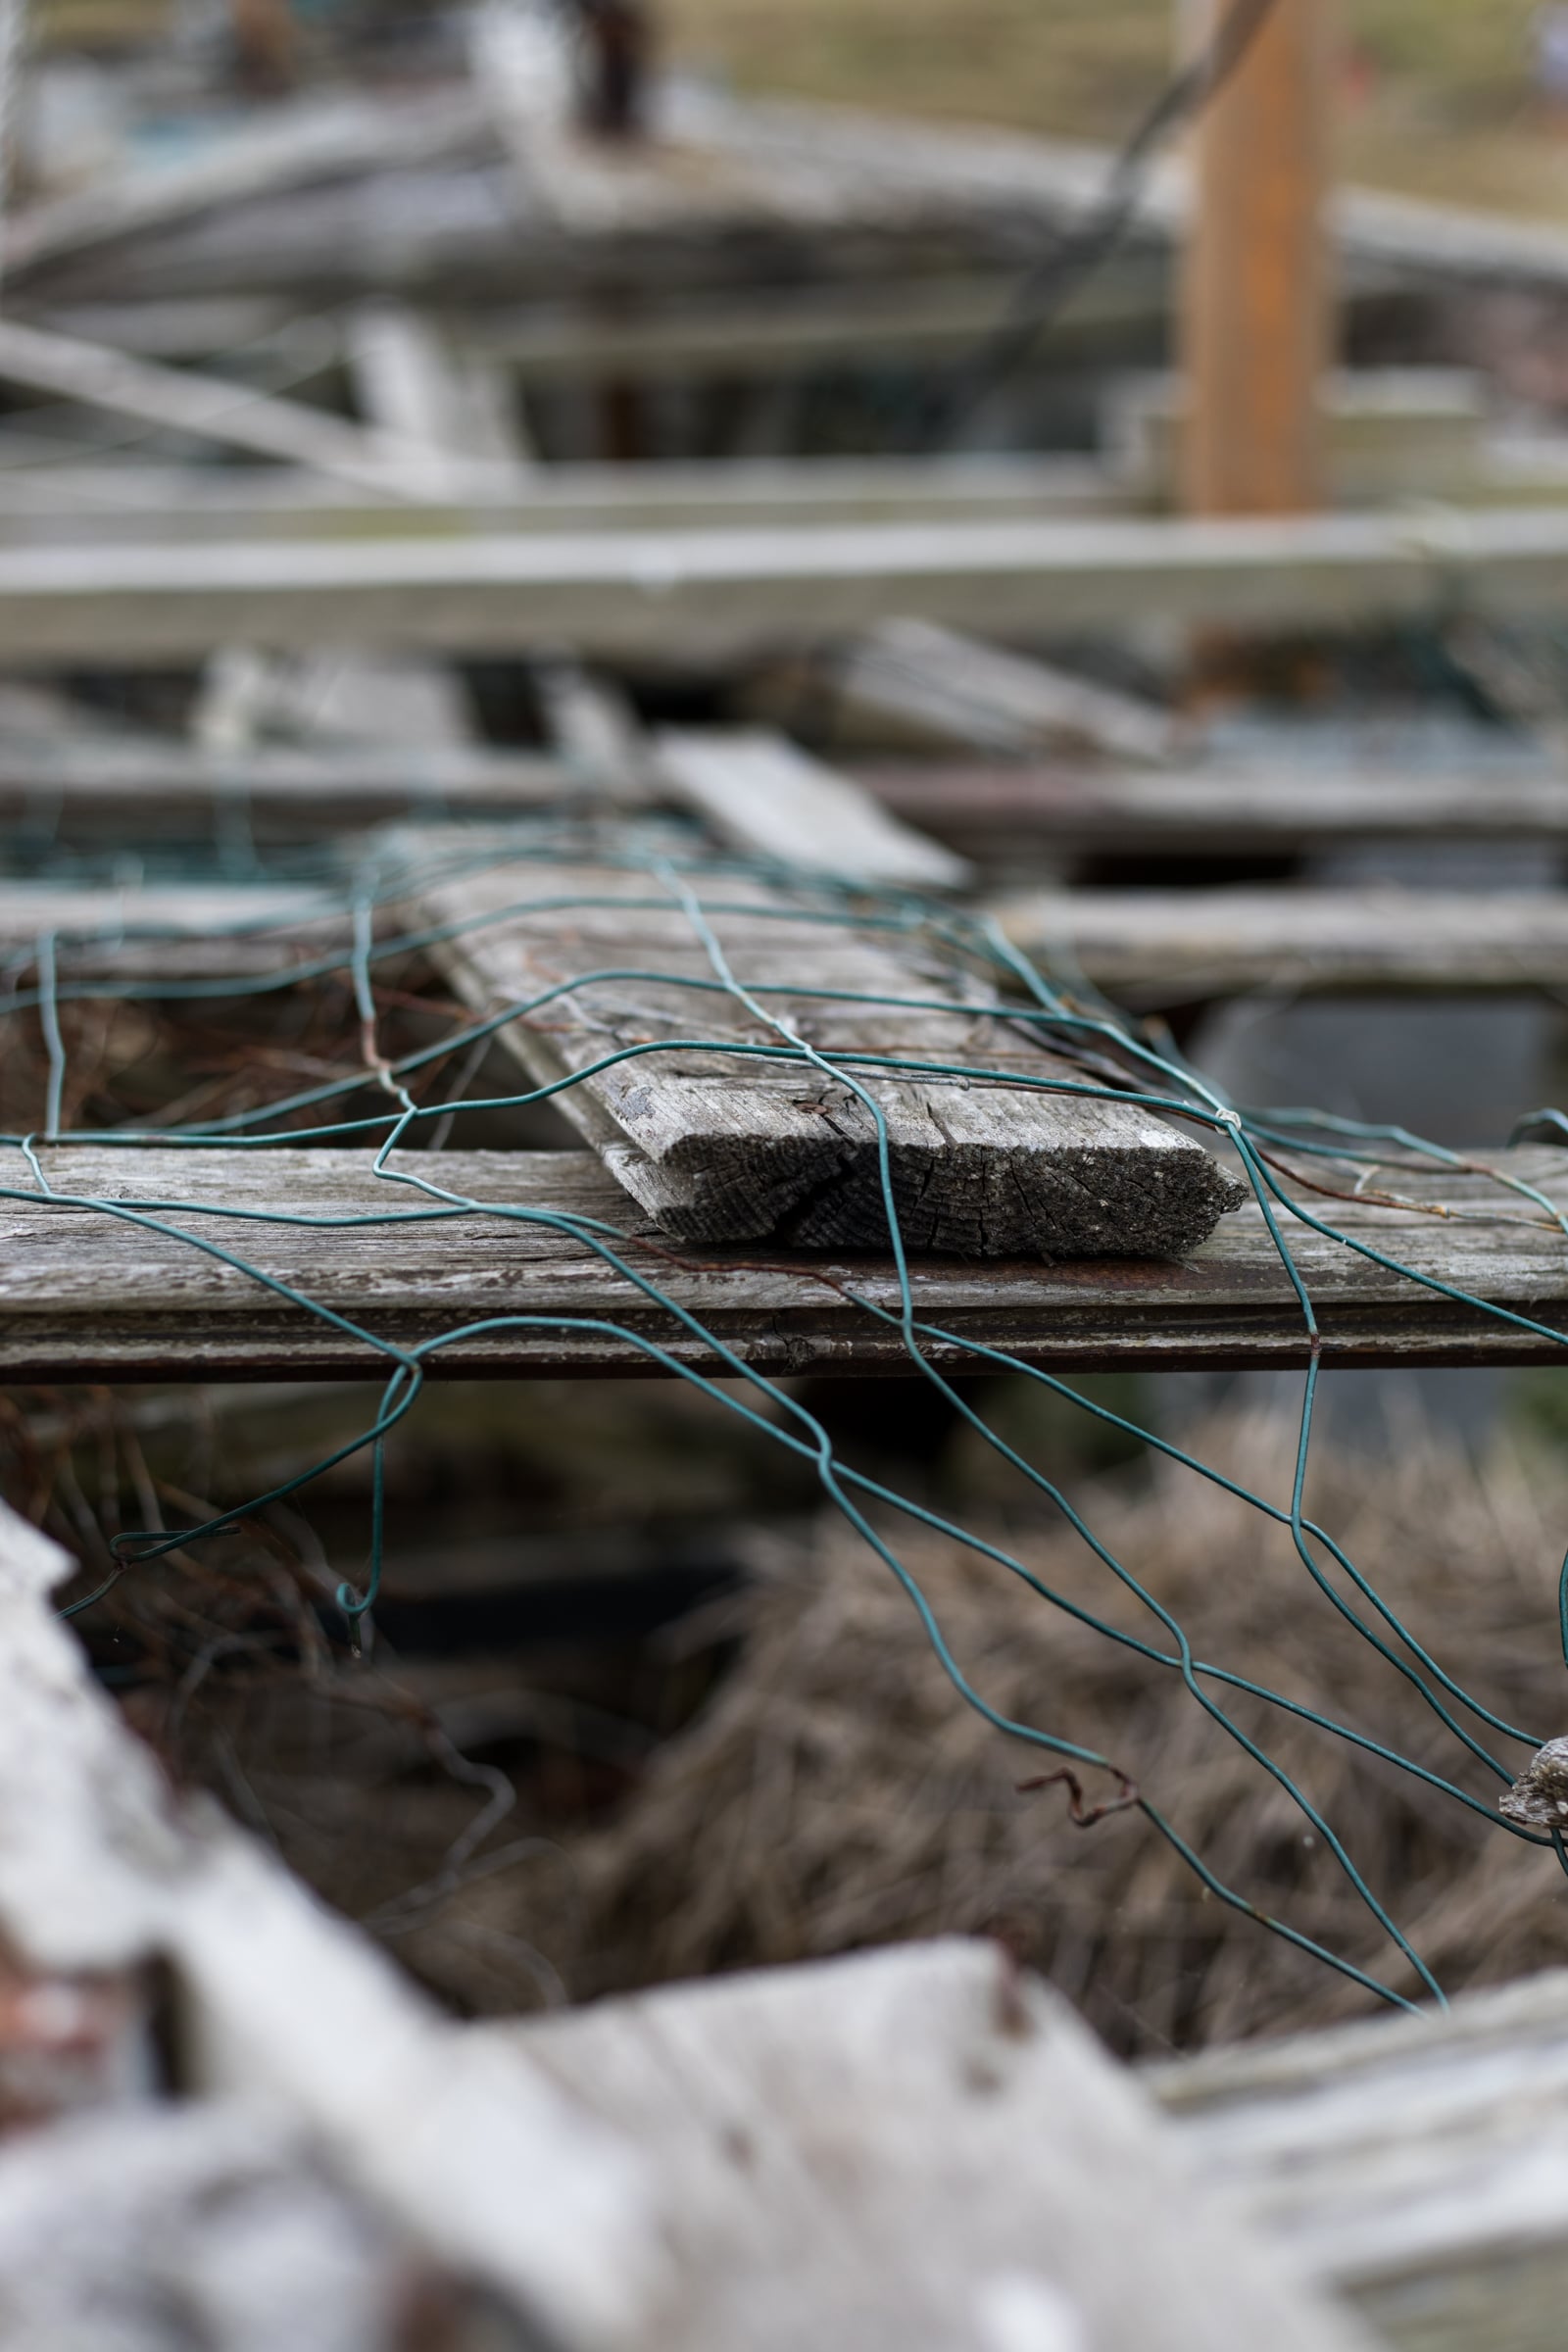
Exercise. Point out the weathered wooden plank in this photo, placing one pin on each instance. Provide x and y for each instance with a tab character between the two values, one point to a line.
761	792
1418	2167
915	682
539	2166
130	788
175	399
476	2152
716	594
103	501
312	140
1154	946
723	1147
85	1296
909	2151
413	384
738	336
985	809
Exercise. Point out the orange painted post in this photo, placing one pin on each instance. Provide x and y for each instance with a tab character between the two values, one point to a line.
1255	297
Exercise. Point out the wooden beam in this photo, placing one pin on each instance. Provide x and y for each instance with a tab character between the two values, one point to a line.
413	384
697	597
1255	314
1152	947
987	812
761	792
1441	2238
102	1868
313	139
172	400
721	1146
927	2136
540	2166
103	501
91	1298
907	681
82	785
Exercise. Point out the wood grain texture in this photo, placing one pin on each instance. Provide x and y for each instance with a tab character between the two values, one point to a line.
1148	948
913	2151
1417	2167
85	1296
720	1148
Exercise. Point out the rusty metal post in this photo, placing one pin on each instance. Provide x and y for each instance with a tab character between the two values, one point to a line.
1255	301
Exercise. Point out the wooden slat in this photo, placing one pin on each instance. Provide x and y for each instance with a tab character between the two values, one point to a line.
88	1296
474	2153
716	594
1417	2167
312	140
103	502
913	682
761	792
1155	947
908	2151
131	789
1062	807
719	1147
865	2153
172	400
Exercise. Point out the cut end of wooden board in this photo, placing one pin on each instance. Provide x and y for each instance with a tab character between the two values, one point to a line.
723	1126
973	1173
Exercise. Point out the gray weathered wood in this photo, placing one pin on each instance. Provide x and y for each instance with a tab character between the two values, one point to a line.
719	595
913	682
413	384
131	789
101	1868
1165	946
312	140
986	810
912	2151
107	502
1417	2167
175	399
90	1297
761	792
721	1146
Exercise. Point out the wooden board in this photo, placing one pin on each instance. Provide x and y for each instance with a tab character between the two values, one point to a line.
722	1147
1418	2167
715	596
1148	948
986	809
909	2151
130	788
473	2153
540	2166
90	1297
906	680
100	503
174	400
761	792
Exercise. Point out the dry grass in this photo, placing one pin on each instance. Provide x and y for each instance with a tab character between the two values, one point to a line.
1436	94
836	1793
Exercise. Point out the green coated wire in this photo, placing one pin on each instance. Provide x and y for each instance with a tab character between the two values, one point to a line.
697	886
